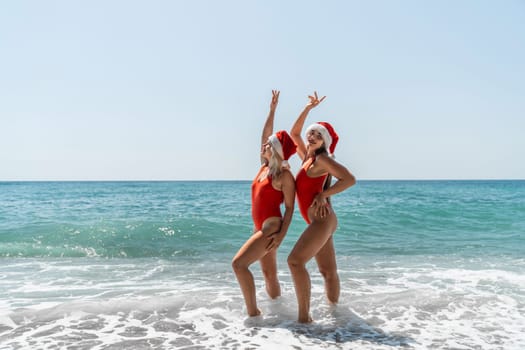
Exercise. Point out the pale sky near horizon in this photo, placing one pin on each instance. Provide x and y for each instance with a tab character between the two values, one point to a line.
179	90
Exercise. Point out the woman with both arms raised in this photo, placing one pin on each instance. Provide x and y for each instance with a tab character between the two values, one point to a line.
314	189
273	185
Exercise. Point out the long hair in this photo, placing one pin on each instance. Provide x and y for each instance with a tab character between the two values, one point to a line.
275	163
328	181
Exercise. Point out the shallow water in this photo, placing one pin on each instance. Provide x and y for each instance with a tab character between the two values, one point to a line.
422	265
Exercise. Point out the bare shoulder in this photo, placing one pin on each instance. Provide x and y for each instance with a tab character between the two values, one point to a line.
332	166
325	161
284	179
287	176
288	183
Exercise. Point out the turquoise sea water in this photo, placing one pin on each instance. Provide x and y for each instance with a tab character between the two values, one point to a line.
119	265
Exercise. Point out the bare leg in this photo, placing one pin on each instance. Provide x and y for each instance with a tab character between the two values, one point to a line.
255	249
251	251
269	269
311	241
328	268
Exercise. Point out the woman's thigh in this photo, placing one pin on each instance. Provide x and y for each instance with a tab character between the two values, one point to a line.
312	240
255	247
252	250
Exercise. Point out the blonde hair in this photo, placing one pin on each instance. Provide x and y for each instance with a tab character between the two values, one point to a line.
275	163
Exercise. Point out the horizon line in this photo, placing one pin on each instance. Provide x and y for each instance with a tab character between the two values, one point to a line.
233	180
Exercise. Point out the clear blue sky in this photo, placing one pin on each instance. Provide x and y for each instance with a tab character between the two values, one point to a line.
177	90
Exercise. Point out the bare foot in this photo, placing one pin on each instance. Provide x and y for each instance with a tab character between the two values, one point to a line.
256	313
305	320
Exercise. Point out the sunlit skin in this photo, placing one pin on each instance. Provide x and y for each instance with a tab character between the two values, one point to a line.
262	245
317	239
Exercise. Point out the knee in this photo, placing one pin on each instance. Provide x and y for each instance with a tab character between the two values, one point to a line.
329	274
295	262
238	265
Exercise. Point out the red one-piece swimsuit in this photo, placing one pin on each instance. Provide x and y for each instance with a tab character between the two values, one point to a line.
266	200
307	188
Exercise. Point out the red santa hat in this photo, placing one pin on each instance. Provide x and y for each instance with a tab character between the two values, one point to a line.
283	144
328	134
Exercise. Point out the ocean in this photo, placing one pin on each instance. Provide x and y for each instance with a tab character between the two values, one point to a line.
147	265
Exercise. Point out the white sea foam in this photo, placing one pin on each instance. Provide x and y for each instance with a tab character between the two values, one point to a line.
127	304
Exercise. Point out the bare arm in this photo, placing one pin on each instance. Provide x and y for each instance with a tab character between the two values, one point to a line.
297	127
345	179
288	189
268	125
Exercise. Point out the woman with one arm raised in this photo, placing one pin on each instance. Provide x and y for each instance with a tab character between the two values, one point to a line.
314	189
273	185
